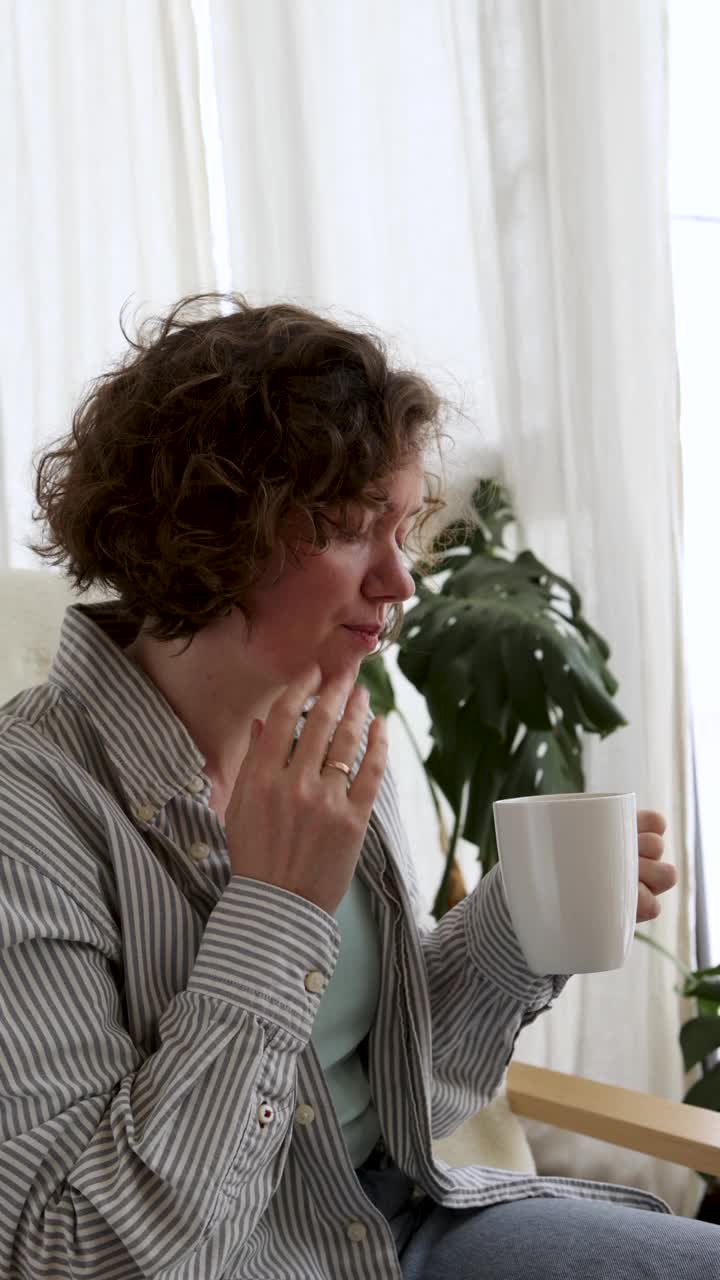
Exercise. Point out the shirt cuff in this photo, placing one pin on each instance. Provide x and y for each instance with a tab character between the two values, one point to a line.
494	947
268	951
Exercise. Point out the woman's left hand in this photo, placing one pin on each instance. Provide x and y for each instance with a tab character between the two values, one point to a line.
656	876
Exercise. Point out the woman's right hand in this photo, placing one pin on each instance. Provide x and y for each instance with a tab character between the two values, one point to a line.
293	823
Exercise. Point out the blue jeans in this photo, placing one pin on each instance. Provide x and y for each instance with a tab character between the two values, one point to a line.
538	1239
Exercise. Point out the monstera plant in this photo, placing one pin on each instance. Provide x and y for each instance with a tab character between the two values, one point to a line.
511	673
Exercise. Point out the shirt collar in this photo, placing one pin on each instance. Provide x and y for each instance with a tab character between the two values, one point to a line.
152	751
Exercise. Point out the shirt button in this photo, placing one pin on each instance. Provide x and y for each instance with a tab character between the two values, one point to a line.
144	813
199	851
196	785
314	981
265	1114
356	1231
304	1114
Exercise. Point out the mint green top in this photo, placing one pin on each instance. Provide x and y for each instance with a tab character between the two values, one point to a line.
345	1015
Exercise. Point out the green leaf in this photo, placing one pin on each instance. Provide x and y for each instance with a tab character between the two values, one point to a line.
698	1039
373	675
705	986
493	509
501	644
542	764
554	760
496	628
485	786
509	669
706	1093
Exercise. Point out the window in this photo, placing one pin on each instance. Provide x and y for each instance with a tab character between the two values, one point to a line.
695	240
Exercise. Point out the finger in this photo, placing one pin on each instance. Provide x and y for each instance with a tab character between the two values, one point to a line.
650	845
658	877
648	907
348	734
369	776
651	820
321	724
280	722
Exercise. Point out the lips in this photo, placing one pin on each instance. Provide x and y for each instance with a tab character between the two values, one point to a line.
366	637
371	628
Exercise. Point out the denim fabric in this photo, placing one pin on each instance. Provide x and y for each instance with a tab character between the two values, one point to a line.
542	1238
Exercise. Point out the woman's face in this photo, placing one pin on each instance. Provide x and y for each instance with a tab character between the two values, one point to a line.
302	613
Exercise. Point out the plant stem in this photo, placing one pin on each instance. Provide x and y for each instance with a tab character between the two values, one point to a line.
430	782
440	905
658	947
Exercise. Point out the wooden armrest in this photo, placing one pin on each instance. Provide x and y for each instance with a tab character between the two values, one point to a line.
669	1130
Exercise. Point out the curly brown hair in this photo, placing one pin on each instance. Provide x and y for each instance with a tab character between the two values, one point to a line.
186	458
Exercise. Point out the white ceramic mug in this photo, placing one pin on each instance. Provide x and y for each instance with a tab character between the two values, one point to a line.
570	868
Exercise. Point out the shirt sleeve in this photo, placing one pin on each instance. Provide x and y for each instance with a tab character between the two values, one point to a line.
117	1159
481	991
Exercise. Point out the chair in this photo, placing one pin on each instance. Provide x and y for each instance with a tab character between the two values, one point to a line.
658	1127
32	604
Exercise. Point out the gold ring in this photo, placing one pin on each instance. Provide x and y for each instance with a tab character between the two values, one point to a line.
338	764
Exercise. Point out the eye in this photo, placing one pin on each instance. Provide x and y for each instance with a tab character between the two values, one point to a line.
352	525
403	541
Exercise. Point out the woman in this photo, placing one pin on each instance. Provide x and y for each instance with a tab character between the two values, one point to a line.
198	1079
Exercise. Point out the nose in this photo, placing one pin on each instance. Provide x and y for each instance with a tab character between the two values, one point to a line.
390	580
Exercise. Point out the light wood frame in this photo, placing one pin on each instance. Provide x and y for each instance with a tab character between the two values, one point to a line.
672	1131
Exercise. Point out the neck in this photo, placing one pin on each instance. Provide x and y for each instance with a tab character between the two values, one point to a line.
205	688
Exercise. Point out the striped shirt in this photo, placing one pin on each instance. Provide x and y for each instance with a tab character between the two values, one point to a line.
162	1110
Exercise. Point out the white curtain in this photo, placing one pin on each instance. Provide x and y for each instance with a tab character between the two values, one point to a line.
584	244
482	181
105	202
485	182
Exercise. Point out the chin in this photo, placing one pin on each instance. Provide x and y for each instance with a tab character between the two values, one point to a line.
331	670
